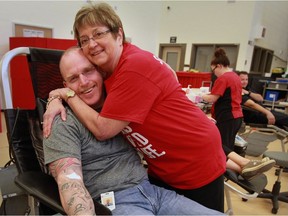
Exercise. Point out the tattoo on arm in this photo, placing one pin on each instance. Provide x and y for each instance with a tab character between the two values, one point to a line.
74	196
61	165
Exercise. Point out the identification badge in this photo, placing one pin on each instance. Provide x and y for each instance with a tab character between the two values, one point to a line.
108	200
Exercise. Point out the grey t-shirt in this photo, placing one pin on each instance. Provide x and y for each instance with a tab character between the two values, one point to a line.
109	165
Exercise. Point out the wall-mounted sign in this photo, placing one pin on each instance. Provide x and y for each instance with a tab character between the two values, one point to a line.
23	30
32	33
173	39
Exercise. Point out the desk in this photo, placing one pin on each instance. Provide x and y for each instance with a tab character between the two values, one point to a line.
196	98
285	104
275	90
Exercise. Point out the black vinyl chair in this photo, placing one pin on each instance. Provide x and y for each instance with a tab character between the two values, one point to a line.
249	189
25	133
275	195
281	158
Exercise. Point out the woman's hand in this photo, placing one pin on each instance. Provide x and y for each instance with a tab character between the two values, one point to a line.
54	107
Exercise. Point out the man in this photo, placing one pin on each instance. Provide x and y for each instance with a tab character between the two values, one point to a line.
259	114
87	169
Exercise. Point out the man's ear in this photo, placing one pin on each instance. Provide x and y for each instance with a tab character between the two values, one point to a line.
64	84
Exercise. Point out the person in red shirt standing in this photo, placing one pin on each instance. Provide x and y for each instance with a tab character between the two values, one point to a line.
226	96
145	102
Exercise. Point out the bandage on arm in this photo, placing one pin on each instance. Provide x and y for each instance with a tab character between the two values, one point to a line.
74	196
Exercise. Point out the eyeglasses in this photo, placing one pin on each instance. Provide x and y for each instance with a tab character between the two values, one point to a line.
84	40
213	70
87	72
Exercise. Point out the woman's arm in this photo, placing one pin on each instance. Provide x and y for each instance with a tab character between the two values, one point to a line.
102	128
250	103
74	196
53	108
210	98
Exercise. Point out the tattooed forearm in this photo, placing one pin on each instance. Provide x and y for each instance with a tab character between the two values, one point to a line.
70	202
61	165
79	200
74	196
72	185
79	208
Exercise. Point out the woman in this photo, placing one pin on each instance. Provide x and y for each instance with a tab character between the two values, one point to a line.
226	96
144	100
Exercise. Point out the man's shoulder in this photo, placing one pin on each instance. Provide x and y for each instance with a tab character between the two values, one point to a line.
70	117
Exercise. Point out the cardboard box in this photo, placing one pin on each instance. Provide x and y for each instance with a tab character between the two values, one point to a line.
277	85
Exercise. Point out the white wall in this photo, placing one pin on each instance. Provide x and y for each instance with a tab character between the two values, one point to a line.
36	13
274	16
140	19
149	23
224	22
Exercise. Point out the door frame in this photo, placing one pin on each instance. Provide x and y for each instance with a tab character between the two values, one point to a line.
182	47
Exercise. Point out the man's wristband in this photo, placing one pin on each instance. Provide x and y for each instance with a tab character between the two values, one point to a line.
249	92
51	99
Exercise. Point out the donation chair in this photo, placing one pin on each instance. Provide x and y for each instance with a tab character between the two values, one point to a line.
24	130
249	189
281	158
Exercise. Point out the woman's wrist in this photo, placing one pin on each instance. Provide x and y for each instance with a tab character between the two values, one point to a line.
54	93
51	98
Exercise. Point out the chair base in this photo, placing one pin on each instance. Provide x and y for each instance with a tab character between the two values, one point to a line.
251	189
275	196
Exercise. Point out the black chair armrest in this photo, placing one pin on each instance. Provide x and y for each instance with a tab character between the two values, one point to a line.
41	186
44	188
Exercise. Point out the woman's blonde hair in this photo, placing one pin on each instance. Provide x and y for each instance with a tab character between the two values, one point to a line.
98	14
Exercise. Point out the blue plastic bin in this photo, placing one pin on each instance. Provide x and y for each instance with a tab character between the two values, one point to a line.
271	95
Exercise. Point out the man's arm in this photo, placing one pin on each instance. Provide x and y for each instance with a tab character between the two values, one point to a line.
255	96
250	103
74	196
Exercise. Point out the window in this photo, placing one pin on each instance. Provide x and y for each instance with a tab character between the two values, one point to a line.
202	54
261	60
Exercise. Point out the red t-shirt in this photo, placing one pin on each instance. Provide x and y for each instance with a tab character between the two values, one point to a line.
228	105
181	145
